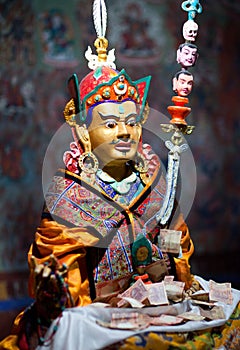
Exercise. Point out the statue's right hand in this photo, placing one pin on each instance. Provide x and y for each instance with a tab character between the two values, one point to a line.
50	289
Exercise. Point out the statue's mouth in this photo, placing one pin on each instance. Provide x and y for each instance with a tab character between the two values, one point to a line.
123	146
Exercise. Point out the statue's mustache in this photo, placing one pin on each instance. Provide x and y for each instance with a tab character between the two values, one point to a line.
115	142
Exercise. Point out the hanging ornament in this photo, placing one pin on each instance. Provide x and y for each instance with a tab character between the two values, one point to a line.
182	85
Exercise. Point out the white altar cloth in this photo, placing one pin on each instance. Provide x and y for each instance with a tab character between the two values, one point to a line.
78	329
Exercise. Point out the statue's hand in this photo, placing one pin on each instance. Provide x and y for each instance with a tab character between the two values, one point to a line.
51	290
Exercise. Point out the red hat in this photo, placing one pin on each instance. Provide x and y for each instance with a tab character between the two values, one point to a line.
105	84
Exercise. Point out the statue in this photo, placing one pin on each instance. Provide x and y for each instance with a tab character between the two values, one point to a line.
103	212
95	208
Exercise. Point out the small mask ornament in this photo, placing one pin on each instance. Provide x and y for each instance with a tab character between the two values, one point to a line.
187	55
190	30
183	83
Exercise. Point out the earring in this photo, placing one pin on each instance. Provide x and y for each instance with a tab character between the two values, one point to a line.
140	163
88	163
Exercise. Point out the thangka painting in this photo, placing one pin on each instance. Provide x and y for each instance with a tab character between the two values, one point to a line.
17	33
56	33
135	31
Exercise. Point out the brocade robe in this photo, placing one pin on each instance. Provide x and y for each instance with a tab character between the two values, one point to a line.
91	229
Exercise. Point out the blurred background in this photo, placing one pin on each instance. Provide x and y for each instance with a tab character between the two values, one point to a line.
43	44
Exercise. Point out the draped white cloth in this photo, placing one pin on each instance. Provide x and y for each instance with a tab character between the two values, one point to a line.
78	329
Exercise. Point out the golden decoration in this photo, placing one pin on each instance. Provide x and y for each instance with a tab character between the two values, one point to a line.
69	113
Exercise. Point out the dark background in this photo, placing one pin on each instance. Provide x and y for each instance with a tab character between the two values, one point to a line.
33	94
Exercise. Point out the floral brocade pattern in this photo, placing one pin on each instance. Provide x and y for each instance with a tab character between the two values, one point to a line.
75	204
89	207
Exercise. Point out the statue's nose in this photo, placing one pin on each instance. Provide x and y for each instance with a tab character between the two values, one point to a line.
123	131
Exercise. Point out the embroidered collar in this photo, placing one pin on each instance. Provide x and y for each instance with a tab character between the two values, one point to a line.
121	187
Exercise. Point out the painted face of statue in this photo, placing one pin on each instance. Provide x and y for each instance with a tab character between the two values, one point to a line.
182	84
114	132
187	55
190	30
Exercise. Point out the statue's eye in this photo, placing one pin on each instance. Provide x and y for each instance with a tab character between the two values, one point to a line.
111	124
131	122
